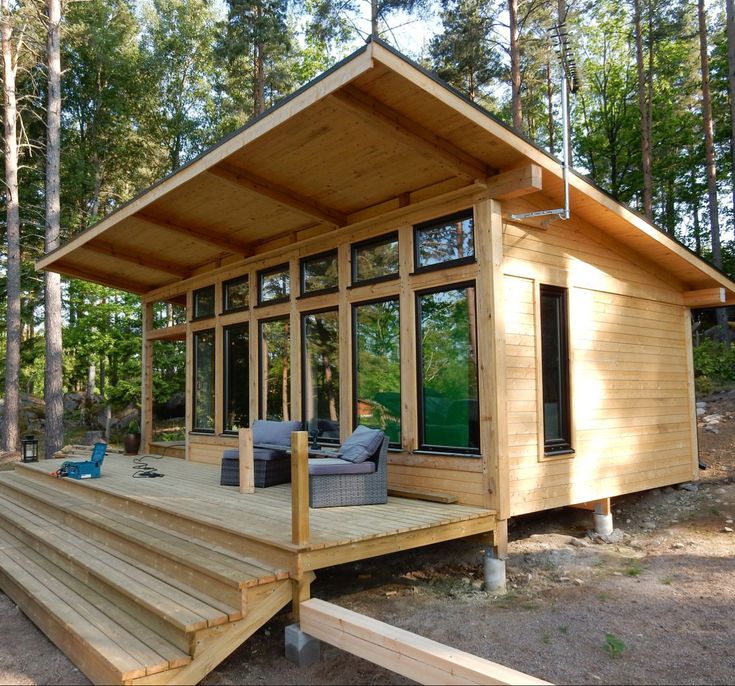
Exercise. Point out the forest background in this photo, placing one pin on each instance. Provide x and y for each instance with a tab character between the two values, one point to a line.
147	86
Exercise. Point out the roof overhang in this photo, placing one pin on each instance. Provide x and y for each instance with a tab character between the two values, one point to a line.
373	134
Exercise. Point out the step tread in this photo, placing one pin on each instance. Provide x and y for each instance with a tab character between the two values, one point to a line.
224	564
181	608
126	649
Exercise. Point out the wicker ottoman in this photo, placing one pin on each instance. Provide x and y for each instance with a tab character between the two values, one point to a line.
271	468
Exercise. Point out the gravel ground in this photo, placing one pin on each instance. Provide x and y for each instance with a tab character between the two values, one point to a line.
654	607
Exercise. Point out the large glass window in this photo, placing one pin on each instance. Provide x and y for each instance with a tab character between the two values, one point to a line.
375	259
442	241
377	365
235	294
237	377
555	370
275	369
203	381
321	373
319	273
204	302
448	398
274	285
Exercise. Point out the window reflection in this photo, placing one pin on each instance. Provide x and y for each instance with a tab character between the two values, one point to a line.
275	373
321	373
237	377
203	381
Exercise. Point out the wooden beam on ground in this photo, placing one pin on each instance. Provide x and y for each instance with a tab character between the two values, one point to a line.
135	257
380	116
707	297
246	461
405	653
515	183
283	196
299	487
201	235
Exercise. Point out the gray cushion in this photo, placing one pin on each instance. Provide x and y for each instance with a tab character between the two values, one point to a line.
277	433
264	454
361	445
334	465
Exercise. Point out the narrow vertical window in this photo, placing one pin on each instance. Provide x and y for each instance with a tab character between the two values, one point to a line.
377	367
275	369
447	373
237	377
555	370
204	302
321	373
203	419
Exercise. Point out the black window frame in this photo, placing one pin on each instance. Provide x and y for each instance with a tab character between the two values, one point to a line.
353	352
561	446
284	267
302	281
260	322
446	219
196	429
226	376
304	315
233	282
391	237
194	296
425	447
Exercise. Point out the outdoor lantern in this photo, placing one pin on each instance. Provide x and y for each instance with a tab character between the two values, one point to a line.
29	449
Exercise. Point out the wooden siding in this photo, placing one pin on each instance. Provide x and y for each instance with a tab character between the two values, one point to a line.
632	404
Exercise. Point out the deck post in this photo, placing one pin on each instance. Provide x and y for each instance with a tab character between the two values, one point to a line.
603	519
146	399
299	487
247	461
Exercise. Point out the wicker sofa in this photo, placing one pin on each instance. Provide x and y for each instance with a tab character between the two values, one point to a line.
334	482
272	467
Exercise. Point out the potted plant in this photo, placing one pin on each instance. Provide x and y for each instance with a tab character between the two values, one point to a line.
131	440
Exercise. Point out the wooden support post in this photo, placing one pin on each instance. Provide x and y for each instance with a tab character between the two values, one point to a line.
299	487
602	506
146	400
301	592
500	539
247	463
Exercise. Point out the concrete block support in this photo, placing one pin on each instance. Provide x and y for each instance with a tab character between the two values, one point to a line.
301	649
603	524
494	573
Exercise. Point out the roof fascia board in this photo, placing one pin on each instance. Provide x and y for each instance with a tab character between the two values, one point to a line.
427	82
348	70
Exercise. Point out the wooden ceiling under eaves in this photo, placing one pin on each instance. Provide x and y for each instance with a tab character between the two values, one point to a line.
366	135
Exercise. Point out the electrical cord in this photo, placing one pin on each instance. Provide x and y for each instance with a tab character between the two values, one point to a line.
143	470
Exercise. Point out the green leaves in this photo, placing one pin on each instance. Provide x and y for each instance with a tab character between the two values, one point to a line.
613	645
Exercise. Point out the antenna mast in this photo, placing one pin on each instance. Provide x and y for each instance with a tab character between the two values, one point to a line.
569	83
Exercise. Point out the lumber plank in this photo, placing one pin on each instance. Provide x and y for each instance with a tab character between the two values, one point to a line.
419	494
401	651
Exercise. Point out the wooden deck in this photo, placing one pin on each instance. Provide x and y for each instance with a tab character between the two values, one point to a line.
142	580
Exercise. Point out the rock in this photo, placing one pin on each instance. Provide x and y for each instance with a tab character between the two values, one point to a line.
711	429
689	486
677	545
477	584
700	412
92	437
648	524
701	403
579	542
727	530
578	582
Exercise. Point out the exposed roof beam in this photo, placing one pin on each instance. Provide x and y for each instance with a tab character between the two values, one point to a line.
201	235
111	281
515	183
283	196
137	258
378	115
707	297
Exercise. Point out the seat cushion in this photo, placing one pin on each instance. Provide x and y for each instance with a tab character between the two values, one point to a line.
276	433
362	445
263	454
321	466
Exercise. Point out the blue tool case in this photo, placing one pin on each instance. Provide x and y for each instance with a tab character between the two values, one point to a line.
89	469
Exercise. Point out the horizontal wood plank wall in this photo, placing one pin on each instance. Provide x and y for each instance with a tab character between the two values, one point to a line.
631	404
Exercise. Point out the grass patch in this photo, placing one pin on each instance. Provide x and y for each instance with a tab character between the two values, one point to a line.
613	645
634	568
667	580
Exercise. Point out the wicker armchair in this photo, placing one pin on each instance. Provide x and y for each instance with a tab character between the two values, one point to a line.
335	490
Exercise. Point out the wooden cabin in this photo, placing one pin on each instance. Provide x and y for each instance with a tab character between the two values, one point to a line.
355	255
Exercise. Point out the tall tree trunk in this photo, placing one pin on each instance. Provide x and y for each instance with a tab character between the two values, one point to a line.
643	107
550	104
259	64
515	66
374	18
709	153
11	432
730	6
53	378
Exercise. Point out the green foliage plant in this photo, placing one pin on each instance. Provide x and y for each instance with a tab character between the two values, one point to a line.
613	645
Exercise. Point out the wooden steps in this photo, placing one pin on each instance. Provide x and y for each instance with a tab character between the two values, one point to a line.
128	600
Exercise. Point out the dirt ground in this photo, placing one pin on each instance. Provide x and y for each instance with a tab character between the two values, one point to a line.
657	606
